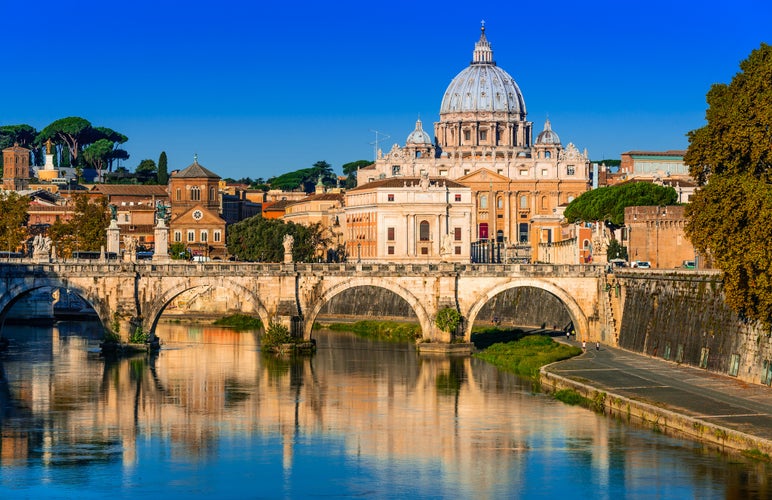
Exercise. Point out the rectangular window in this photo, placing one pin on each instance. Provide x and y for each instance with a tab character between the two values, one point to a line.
390	234
390	250
390	197
217	237
191	235
395	170
178	236
458	250
523	172
483	135
179	194
466	171
443	173
466	135
458	197
500	171
424	251
457	233
204	235
570	170
544	172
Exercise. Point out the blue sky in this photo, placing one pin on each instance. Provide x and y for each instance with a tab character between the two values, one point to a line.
257	89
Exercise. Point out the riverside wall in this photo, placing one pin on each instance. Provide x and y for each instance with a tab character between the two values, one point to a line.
681	316
656	418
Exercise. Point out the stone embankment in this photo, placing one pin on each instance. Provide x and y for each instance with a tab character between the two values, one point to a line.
666	397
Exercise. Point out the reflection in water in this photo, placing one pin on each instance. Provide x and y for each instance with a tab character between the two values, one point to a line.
211	414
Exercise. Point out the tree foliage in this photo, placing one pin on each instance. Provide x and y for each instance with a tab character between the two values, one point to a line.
98	155
616	250
730	217
73	131
737	138
163	169
608	203
86	230
260	240
13	220
23	135
147	172
447	319
305	179
350	170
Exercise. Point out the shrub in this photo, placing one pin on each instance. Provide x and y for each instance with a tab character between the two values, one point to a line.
275	335
447	319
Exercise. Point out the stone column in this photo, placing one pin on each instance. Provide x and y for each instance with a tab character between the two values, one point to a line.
161	238
114	238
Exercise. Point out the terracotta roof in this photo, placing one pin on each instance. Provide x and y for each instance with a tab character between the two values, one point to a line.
401	182
197	171
318	197
277	206
130	190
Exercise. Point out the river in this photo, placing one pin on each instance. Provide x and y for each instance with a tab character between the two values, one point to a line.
211	416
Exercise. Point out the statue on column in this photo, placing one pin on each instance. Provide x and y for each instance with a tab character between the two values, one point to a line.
288	241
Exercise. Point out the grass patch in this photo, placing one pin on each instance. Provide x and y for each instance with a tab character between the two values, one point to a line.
240	322
756	454
527	355
390	331
571	397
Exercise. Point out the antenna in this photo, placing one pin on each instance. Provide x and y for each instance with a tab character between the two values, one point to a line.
375	144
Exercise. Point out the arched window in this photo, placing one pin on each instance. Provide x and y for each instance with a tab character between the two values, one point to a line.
548	154
543	202
195	193
211	194
586	244
423	231
500	202
484	201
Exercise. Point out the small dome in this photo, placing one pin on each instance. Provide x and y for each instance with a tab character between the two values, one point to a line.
418	136
547	136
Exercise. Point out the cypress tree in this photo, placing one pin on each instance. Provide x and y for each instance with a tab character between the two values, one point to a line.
163	172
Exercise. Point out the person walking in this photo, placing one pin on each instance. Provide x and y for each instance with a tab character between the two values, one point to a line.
597	346
584	345
568	334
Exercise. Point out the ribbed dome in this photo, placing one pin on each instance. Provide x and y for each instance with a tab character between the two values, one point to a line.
547	136
483	86
418	136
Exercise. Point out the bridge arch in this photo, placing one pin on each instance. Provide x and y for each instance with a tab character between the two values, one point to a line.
20	289
424	319
151	316
579	319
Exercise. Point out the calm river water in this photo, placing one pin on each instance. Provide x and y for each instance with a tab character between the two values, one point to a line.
211	416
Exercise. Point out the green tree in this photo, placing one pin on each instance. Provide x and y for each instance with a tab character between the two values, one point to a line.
147	172
116	138
73	131
163	169
260	240
13	220
350	170
616	250
608	203
86	230
730	217
23	135
447	319
98	155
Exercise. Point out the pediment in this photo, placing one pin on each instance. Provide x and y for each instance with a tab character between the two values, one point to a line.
198	214
483	175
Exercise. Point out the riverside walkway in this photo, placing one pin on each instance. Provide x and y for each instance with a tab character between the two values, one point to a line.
692	401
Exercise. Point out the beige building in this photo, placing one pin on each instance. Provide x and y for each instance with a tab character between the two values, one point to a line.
409	219
325	209
484	140
656	235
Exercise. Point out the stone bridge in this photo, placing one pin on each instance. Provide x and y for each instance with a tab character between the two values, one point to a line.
130	295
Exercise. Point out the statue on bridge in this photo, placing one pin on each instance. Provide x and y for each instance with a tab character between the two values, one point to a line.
288	241
41	247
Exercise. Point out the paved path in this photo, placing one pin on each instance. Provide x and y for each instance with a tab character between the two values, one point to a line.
718	399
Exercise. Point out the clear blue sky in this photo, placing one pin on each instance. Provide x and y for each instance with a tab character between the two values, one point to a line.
261	88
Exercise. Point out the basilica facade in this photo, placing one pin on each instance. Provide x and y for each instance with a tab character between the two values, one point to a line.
483	140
